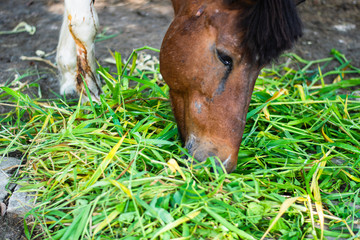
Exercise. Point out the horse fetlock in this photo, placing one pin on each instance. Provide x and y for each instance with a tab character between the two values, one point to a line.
67	83
92	84
82	19
83	30
75	53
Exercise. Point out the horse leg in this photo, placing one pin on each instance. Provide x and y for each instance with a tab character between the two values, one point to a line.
76	50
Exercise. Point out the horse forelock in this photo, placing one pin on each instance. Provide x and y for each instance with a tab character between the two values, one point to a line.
269	27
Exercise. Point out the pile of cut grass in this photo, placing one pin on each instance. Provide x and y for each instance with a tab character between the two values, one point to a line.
117	170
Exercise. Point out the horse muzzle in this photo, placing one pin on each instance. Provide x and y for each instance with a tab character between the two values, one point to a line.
203	148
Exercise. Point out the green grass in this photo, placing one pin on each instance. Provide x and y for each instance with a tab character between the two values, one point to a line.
116	170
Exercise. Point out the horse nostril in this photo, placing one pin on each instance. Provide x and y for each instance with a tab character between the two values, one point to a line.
224	58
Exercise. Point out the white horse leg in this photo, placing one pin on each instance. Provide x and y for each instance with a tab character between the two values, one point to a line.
76	50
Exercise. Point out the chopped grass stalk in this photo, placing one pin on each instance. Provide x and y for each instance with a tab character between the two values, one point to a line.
117	170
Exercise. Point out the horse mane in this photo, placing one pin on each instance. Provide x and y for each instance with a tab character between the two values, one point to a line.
270	27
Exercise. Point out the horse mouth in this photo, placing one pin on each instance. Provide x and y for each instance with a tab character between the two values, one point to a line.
201	150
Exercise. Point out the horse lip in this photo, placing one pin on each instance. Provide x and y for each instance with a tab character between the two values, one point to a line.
190	144
201	150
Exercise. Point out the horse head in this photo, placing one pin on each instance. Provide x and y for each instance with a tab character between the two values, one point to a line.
211	56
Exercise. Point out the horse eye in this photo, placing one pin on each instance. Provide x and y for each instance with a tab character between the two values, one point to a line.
225	59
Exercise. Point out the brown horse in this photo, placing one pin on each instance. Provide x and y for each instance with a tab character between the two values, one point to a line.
211	57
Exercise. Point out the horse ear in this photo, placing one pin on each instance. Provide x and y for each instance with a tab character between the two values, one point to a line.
297	2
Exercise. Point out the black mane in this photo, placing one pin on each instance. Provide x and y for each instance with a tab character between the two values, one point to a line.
270	27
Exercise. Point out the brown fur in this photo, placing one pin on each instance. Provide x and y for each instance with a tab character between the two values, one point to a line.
206	62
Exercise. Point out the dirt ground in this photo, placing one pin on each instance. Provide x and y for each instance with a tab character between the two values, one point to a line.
328	24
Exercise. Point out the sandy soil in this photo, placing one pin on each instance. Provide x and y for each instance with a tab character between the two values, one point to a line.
328	24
